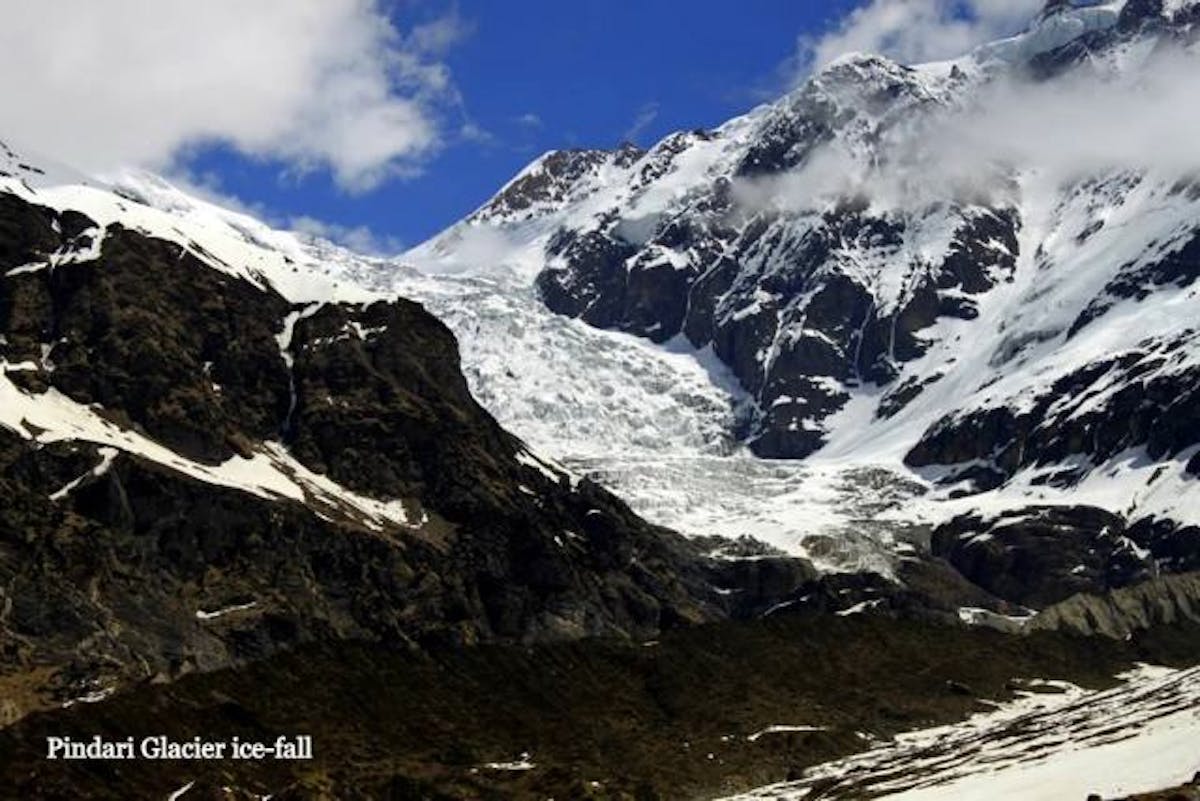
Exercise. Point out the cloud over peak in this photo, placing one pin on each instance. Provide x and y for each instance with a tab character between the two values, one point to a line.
1112	113
914	31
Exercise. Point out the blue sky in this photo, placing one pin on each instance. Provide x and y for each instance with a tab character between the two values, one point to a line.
533	75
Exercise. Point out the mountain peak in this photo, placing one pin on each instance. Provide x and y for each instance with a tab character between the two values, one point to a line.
825	311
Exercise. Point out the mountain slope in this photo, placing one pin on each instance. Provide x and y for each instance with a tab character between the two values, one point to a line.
994	335
967	404
1055	741
213	446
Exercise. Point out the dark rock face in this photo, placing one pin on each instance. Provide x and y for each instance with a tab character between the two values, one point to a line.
798	335
757	585
193	363
1042	555
596	291
610	281
782	297
1175	548
556	178
789	138
114	567
31	233
926	588
1140	398
382	408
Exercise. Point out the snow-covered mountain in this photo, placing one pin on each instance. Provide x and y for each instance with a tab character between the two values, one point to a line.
901	332
774	330
862	360
216	443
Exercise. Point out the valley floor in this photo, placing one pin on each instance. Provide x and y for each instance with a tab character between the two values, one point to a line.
702	713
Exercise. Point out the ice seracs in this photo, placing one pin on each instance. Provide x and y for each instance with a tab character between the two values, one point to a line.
980	344
659	319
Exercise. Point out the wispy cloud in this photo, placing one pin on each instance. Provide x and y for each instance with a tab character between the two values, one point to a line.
471	131
1093	119
438	36
913	31
359	238
645	117
314	84
528	120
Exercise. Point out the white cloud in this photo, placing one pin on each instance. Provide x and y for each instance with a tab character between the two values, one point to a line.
466	247
914	31
359	238
438	36
471	131
1142	118
316	84
646	115
529	120
1092	120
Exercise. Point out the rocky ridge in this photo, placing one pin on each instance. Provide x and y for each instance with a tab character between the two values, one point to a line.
1021	342
199	470
810	306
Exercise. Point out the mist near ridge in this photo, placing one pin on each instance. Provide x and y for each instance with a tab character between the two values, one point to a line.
1098	118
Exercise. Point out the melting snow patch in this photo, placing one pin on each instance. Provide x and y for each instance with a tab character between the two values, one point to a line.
179	793
270	473
1138	737
364	332
203	615
107	455
544	466
975	616
32	267
859	608
94	697
520	764
782	729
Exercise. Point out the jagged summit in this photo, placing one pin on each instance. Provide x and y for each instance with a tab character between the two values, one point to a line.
969	329
875	352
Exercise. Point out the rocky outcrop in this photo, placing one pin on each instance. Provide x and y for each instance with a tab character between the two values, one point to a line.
1039	556
152	334
557	177
1146	397
799	336
400	512
1161	601
1176	548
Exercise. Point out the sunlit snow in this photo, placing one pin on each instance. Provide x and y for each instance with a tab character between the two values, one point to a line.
1054	741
